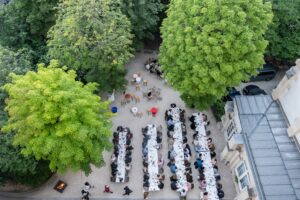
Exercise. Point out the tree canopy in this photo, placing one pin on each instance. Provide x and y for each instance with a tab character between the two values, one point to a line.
57	118
284	33
24	24
19	168
18	62
93	36
144	18
210	45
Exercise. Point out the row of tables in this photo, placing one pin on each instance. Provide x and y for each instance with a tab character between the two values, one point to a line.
153	168
120	177
211	187
178	148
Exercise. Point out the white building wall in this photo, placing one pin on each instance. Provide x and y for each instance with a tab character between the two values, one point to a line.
290	101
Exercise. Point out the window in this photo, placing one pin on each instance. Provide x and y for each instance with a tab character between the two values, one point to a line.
242	176
230	130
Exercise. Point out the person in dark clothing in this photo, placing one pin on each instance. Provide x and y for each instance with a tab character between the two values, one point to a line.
221	194
189	178
129	147
158	140
127	191
128	159
173	178
192	118
193	126
213	154
161	185
119	128
174	185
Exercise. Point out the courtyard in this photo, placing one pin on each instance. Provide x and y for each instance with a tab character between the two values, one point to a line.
101	176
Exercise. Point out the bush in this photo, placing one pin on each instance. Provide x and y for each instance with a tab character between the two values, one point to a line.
218	109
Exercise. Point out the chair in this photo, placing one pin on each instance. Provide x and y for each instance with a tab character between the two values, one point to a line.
113	179
149	112
132	82
137	87
137	99
145	82
139	114
145	95
123	102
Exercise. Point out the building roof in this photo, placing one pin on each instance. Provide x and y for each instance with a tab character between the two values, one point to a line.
273	156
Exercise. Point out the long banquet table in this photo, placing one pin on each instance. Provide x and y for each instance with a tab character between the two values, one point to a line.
211	187
152	158
120	177
178	148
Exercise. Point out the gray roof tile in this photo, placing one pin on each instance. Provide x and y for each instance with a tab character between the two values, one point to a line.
276	158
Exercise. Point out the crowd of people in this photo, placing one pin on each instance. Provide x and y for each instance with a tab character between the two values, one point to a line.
199	163
122	156
179	142
152	160
153	66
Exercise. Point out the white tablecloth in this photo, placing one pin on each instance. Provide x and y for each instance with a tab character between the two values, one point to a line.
178	148
121	158
152	158
211	187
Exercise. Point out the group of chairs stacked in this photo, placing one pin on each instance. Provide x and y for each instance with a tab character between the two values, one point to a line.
122	156
179	151
153	66
152	160
199	163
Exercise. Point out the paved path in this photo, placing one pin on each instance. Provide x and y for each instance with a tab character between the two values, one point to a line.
100	177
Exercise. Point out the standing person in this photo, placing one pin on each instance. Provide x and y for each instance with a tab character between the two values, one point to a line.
127	191
107	189
85	195
87	187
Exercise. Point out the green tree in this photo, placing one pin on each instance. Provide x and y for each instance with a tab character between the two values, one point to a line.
93	36
13	165
19	168
58	119
18	62
209	45
284	33
24	24
144	18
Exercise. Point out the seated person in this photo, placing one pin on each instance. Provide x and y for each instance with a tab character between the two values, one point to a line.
189	178
161	185
213	154
211	147
198	163
174	185
173	178
221	194
173	168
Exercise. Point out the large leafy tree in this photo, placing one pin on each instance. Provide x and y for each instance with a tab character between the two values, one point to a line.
209	45
13	165
144	18
26	23
92	36
57	118
284	33
18	62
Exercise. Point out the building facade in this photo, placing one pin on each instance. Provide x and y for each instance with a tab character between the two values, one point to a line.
288	94
264	161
